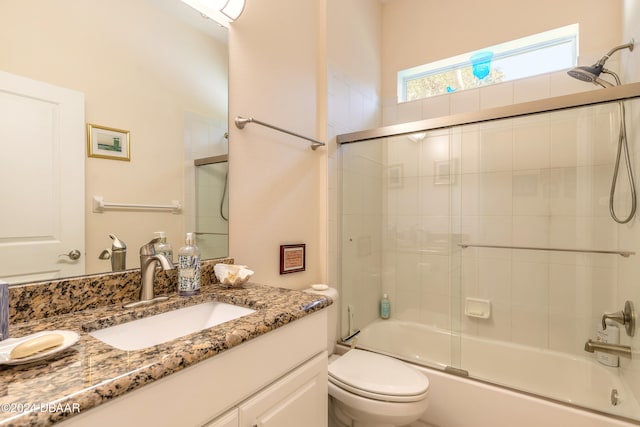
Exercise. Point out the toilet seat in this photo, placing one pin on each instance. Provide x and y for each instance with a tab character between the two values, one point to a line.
378	377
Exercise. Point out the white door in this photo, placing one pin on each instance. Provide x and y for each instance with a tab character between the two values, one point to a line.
41	180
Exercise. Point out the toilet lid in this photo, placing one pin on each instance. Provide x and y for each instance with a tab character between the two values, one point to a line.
378	377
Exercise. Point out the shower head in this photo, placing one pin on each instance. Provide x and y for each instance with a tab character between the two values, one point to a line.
586	74
591	74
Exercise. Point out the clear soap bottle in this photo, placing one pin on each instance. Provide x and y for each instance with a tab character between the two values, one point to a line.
385	307
163	247
189	267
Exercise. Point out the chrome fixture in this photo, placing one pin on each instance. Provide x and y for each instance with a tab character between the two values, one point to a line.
545	105
73	255
241	122
591	74
626	317
615	397
117	254
616	349
624	254
148	261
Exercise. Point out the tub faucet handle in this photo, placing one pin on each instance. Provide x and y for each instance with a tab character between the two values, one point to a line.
626	317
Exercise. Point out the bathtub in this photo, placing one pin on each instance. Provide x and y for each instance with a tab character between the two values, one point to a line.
556	383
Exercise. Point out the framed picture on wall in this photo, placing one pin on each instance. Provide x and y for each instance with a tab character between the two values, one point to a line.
107	143
292	258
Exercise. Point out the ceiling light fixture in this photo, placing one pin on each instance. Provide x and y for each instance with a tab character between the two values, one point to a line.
222	11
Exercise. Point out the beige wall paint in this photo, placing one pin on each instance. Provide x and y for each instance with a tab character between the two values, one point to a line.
277	183
420	31
140	69
631	30
312	68
354	46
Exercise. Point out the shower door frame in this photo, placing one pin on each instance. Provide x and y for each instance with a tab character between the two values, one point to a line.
547	105
581	99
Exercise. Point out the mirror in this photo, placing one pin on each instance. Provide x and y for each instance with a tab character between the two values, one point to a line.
156	69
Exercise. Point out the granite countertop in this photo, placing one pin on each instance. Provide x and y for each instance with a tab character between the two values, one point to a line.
91	372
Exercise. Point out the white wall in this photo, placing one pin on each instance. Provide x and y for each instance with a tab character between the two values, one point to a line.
140	69
312	68
277	183
354	78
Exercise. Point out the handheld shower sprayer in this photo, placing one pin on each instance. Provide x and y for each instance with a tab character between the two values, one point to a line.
591	74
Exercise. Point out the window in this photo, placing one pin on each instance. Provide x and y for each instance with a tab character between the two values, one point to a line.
541	53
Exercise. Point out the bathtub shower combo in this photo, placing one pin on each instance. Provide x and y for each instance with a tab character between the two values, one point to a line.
505	249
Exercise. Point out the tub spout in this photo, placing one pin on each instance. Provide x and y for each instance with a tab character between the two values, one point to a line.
618	350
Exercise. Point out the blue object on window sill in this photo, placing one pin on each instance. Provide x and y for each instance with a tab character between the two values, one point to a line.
481	64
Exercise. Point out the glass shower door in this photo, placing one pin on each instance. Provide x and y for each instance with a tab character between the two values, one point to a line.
212	208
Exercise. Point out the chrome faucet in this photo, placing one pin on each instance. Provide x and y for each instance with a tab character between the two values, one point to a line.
616	349
117	254
148	262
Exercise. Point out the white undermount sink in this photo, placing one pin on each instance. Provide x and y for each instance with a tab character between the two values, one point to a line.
161	328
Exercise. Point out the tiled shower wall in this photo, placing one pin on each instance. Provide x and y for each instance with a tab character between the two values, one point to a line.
535	181
540	180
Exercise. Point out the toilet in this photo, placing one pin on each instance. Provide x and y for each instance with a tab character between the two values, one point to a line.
367	389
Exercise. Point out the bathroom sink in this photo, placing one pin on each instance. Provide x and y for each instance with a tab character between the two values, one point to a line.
168	326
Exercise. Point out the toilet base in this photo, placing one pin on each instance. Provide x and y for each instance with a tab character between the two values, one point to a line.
354	411
337	418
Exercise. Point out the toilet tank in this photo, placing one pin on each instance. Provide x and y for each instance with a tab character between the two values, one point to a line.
332	314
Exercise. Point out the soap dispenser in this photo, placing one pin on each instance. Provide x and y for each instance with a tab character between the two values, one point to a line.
385	307
163	247
189	267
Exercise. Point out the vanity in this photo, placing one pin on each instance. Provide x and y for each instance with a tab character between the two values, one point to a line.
268	367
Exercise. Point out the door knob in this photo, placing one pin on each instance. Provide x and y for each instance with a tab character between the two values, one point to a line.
73	254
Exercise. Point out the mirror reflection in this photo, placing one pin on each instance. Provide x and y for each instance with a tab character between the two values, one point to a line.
153	68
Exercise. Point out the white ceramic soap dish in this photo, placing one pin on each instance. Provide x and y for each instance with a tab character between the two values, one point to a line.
479	308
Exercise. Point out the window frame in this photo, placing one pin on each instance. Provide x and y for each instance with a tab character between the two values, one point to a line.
548	39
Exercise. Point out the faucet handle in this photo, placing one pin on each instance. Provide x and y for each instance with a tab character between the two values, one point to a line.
618	316
149	248
626	317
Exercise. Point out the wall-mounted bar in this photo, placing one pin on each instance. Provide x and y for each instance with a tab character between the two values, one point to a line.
99	206
211	160
203	233
619	93
625	254
241	122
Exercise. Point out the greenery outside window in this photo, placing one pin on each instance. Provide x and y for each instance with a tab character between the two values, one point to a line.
541	53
